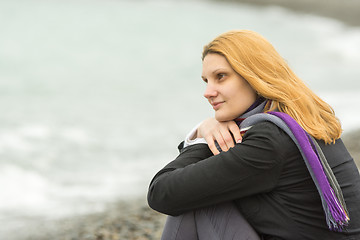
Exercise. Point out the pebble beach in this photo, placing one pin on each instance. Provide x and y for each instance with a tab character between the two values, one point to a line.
133	219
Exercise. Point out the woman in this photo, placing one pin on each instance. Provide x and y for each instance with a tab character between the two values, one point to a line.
270	165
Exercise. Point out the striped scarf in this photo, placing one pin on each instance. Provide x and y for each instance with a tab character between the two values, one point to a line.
325	181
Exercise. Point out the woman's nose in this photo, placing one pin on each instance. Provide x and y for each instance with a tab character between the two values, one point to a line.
210	91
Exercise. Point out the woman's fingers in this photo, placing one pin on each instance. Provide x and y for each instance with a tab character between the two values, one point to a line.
211	143
235	131
224	137
224	133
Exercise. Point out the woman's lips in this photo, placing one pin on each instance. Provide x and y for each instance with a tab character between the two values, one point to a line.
216	105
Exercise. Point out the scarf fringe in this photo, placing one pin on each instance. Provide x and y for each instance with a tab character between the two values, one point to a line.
336	215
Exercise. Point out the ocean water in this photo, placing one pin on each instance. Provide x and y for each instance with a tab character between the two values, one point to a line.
96	95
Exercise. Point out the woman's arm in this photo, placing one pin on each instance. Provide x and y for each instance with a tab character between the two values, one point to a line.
197	179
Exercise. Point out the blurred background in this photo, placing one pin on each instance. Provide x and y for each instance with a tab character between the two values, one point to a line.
96	95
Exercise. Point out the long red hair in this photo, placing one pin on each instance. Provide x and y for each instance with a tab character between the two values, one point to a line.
257	61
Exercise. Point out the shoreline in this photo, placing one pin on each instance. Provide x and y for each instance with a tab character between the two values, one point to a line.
346	11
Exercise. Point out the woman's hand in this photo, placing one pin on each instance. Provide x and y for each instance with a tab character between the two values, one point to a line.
223	132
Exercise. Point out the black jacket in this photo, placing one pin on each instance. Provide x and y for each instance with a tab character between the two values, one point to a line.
266	177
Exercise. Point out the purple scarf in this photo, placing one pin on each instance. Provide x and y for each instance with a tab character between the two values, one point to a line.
329	190
333	205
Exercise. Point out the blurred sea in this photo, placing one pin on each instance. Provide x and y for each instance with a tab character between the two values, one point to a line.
96	95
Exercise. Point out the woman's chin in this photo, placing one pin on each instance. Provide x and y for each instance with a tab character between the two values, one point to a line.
223	118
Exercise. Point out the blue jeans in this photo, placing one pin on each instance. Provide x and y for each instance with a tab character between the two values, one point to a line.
223	221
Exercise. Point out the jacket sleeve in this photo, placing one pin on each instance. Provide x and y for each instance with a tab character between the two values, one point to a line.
198	179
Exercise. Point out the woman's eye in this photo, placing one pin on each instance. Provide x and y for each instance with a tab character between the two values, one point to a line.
221	75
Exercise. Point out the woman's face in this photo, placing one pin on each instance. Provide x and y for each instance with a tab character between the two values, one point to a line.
229	94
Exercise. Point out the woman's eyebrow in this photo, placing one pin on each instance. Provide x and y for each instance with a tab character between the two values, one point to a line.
215	71
219	70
